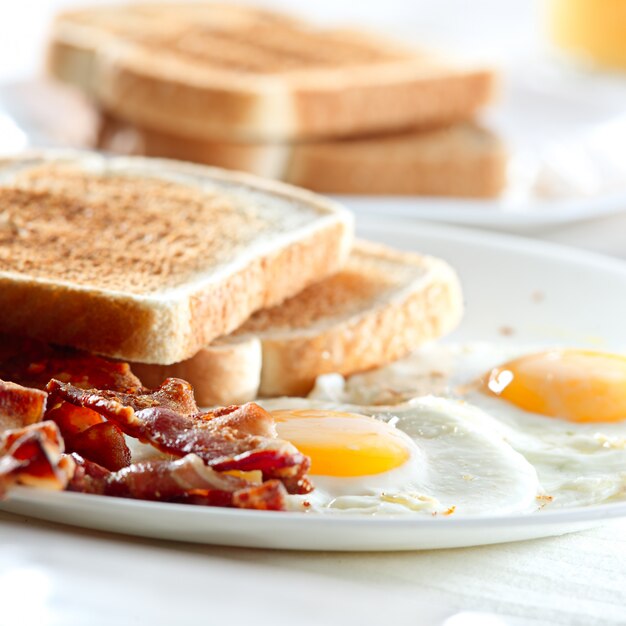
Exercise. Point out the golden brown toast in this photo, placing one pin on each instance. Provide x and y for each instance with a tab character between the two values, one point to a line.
151	260
381	306
217	71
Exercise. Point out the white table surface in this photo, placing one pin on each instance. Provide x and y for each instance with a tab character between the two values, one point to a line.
54	575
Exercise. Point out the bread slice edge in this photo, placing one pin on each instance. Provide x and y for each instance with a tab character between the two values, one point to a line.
424	310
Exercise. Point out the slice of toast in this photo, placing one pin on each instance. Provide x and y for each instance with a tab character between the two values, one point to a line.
218	71
380	307
148	259
464	160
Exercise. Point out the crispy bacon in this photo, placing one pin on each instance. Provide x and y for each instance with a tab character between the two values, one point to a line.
33	456
104	444
174	394
234	438
34	363
267	496
186	480
20	406
72	420
90	435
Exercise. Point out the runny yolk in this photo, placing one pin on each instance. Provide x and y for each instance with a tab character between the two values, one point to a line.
577	385
343	444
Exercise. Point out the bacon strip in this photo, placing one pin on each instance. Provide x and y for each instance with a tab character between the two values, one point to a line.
234	438
33	456
186	480
34	363
104	444
90	435
20	406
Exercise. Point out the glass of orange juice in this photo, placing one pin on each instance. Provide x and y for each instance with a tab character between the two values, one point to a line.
592	31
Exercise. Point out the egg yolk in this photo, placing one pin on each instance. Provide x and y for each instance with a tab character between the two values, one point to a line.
343	444
577	385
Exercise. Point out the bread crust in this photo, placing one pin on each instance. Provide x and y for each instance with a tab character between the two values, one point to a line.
172	327
281	110
464	160
421	312
262	159
233	369
382	330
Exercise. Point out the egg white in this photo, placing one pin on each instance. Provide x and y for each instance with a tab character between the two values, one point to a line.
577	464
458	465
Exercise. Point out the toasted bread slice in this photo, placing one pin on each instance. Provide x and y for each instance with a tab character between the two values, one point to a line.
380	307
151	260
464	160
218	71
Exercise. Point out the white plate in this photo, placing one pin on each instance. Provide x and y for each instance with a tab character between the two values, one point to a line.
538	291
532	217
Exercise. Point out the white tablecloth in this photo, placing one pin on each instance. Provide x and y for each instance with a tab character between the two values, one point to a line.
55	575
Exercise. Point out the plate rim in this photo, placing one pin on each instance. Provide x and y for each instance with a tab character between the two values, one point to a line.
606	511
505	241
490	214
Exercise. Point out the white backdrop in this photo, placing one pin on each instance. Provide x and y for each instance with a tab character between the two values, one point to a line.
496	29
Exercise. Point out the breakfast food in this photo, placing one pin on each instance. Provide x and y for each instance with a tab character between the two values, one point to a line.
382	305
335	111
20	406
450	430
226	457
562	409
152	260
461	160
421	460
425	457
492	441
217	71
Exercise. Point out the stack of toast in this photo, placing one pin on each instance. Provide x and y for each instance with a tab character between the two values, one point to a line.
336	111
243	286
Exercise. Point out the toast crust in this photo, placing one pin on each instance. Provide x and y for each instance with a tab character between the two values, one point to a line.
234	370
463	160
317	332
172	325
426	309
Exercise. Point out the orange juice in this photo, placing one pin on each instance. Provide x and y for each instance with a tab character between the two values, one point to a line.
591	30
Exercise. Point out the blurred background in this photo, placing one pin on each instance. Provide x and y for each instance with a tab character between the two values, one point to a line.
560	110
503	30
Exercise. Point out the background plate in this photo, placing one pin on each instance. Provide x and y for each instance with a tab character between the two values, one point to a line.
533	217
516	290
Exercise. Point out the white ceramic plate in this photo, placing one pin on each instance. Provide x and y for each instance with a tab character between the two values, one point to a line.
536	291
527	218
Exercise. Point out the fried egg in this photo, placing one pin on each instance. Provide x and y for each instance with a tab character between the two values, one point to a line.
429	456
564	410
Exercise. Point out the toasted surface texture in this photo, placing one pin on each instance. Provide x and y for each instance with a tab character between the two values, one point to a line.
381	306
219	71
150	260
463	160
